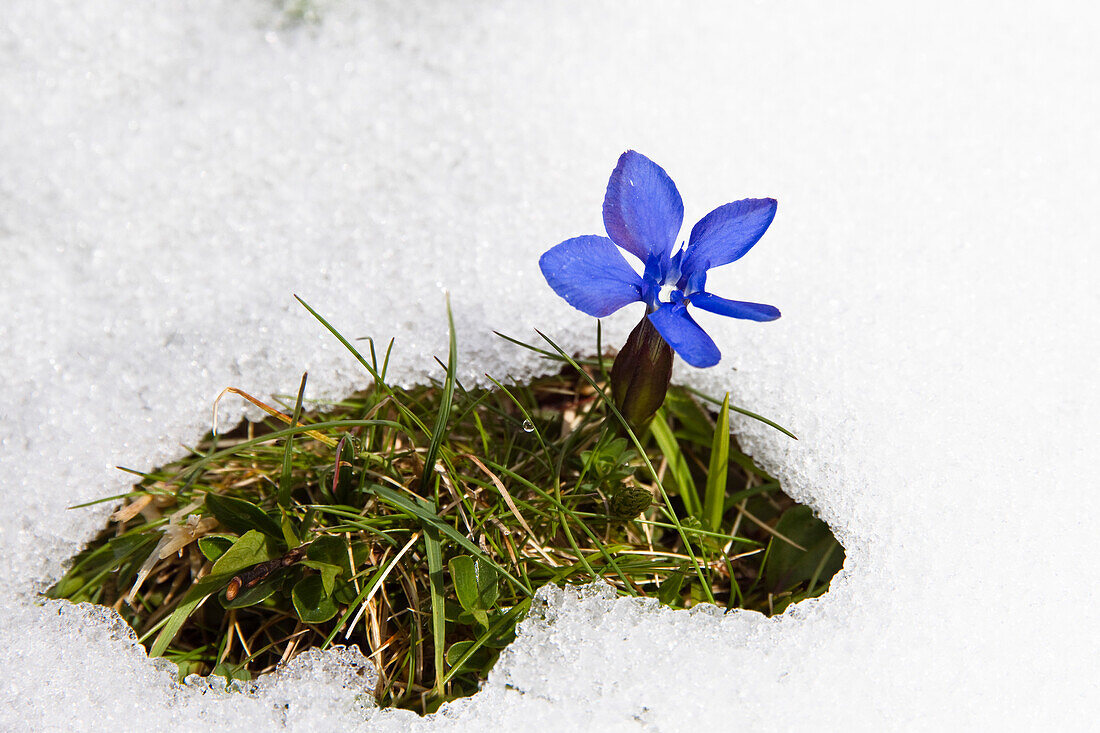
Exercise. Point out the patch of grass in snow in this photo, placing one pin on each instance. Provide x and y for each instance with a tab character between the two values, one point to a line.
417	523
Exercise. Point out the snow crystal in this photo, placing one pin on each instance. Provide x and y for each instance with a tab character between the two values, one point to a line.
173	172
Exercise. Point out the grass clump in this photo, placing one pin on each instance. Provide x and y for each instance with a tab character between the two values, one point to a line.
418	523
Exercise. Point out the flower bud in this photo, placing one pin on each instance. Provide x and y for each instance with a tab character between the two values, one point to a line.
640	375
630	501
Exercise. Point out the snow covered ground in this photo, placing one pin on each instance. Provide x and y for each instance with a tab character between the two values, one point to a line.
170	173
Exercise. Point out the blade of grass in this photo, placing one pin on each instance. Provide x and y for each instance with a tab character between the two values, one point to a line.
266	408
433	553
599	351
378	381
543	352
445	403
194	598
193	470
714	501
820	567
743	411
288	449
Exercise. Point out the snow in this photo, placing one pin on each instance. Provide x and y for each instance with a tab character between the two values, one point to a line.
173	172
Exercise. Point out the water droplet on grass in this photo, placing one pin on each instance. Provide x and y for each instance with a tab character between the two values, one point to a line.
528	426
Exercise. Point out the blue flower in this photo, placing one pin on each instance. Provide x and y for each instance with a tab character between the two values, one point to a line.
643	213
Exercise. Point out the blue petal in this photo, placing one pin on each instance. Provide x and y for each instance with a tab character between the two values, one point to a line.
591	274
727	233
734	308
642	210
696	283
685	336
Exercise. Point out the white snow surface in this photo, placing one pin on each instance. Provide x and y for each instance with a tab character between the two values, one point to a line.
173	172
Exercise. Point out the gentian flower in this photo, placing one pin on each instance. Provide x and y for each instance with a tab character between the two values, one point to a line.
643	213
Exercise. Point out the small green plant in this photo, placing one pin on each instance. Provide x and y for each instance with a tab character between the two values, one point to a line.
418	523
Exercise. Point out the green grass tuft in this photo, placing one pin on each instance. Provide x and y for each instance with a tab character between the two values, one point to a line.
417	523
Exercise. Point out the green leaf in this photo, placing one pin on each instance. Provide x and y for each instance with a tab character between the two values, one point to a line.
457	650
240	516
669	592
313	605
126	545
331	549
480	577
746	463
445	403
288	448
213	546
503	626
251	548
464	578
677	464
787	566
328	573
433	553
714	501
694	424
475	585
231	672
290	536
67	586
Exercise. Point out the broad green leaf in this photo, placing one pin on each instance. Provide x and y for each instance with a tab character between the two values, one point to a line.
252	547
503	626
669	592
345	593
488	586
464	578
213	546
457	650
313	605
328	573
330	549
787	566
476	583
240	516
231	672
